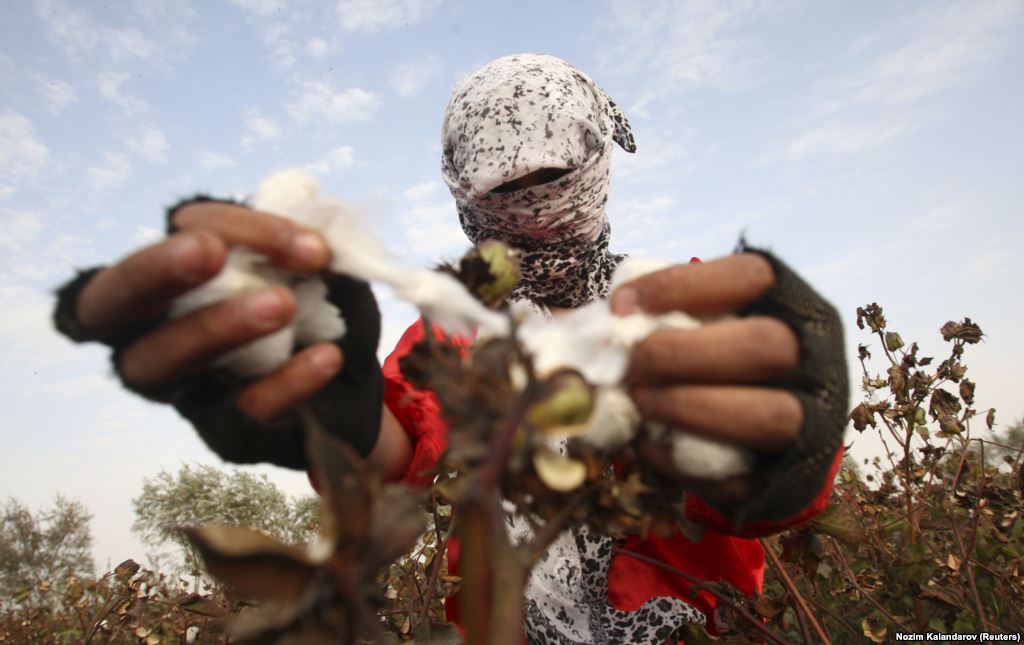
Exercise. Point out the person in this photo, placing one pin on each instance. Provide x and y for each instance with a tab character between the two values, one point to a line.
527	142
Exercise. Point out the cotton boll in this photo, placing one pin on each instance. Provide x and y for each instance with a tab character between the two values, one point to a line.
632	268
261	356
315	319
614	420
701	457
239	275
446	302
283	192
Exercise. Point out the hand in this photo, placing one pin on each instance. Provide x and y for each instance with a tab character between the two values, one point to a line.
138	289
714	381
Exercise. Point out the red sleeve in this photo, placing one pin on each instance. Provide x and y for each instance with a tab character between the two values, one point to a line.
418	411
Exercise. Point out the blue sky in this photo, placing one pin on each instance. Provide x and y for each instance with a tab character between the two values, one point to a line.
875	146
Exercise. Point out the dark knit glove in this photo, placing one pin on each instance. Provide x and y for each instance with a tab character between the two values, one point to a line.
787	482
349	406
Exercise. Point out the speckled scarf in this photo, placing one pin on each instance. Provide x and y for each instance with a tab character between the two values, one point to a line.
517	115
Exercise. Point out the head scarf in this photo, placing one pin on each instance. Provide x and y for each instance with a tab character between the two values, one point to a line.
510	118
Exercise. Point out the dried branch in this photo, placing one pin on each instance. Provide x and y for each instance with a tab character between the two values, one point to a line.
802	607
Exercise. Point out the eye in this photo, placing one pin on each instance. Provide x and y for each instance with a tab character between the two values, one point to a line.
535	178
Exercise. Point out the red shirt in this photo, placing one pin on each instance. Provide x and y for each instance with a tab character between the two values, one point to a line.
726	551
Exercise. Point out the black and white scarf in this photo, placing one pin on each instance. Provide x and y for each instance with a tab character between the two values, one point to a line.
524	113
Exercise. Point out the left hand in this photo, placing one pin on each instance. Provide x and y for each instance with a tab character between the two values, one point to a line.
714	381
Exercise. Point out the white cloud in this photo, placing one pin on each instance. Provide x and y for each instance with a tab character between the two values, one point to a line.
22	156
278	37
6	191
317	48
112	173
110	88
147	234
341	158
150	144
938	49
35	250
410	77
213	160
57	94
841	138
261	128
674	45
370	15
319	101
261	7
71	29
18	229
656	155
948	47
432	232
419	192
277	25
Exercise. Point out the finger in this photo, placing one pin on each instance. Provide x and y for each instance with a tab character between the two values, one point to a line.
704	288
745	350
301	377
141	285
758	417
286	243
185	345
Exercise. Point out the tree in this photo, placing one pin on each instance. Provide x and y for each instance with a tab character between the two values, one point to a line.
1005	445
43	549
203	494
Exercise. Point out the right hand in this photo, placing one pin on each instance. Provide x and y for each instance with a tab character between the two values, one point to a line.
140	287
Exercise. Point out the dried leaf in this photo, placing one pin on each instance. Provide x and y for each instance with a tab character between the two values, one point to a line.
862	417
967	391
953	562
838	521
126	569
943	404
201	605
256	565
949	425
398	519
945	594
877	636
872	315
898	382
345	481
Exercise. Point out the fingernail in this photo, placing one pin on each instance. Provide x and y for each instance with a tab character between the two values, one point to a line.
266	306
327	359
309	249
187	255
624	301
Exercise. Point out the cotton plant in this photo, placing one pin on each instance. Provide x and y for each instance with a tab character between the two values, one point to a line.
589	341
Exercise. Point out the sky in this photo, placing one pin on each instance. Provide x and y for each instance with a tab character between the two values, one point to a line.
876	147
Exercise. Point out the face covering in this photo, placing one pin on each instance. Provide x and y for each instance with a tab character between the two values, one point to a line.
510	118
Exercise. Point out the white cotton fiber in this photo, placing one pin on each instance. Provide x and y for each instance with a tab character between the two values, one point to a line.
598	344
294	194
589	339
